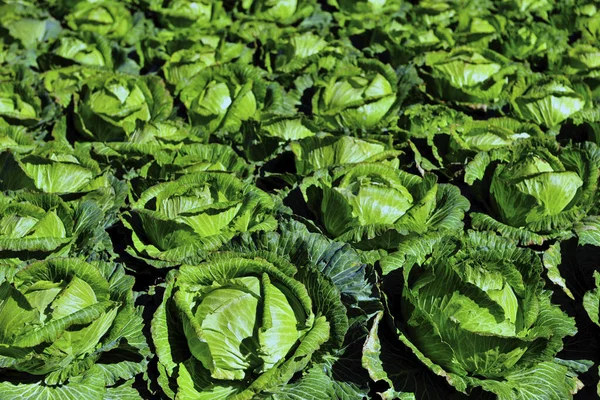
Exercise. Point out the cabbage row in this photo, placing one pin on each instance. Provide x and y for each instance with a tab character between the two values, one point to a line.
300	199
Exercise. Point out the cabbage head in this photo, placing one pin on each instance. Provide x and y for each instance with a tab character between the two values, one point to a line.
109	107
539	191
108	18
69	329
548	102
357	96
177	221
290	293
377	206
468	75
220	98
475	311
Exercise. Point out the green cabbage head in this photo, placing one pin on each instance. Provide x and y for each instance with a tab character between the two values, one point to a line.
88	49
538	189
190	55
282	12
107	18
183	14
475	311
57	319
110	106
532	188
283	290
271	10
174	222
35	223
222	97
19	104
376	205
55	169
468	75
360	96
548	102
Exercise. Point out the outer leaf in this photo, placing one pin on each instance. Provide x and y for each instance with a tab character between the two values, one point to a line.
90	385
591	301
